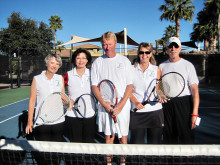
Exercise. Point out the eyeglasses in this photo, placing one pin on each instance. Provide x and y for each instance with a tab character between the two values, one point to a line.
146	52
81	58
173	44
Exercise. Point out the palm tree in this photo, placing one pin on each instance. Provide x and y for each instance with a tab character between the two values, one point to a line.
200	33
207	29
169	32
55	24
201	30
174	10
60	48
212	7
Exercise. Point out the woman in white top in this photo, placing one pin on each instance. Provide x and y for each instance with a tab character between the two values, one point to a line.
43	85
148	117
78	82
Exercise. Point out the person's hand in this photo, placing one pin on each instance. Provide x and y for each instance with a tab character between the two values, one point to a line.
116	110
139	105
162	99
108	106
194	118
29	127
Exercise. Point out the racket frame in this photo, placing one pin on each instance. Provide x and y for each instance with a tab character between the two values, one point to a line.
115	104
39	111
157	82
76	103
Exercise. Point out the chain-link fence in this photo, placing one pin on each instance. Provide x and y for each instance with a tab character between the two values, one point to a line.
17	68
20	68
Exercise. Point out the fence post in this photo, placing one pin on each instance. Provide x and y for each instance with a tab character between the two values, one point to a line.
19	71
10	67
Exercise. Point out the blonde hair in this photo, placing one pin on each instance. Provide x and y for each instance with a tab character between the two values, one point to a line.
149	47
57	57
108	35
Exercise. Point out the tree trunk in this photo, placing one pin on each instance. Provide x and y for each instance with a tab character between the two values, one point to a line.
177	28
214	43
55	38
198	42
157	45
219	32
211	44
206	43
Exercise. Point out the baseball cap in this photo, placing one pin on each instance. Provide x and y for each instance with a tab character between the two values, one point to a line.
173	39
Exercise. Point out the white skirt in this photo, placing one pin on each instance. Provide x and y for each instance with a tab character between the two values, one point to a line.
106	123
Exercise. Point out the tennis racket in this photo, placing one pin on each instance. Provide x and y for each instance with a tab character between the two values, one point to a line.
85	106
52	109
108	93
169	86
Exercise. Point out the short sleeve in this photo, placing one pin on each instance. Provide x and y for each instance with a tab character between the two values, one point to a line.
193	78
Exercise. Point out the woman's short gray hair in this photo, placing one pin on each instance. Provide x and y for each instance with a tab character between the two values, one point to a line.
57	56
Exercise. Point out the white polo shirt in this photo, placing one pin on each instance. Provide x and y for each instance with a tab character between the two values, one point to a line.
117	69
45	87
77	86
143	84
185	68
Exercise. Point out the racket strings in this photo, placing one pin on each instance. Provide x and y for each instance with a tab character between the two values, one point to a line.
170	86
162	89
65	102
107	92
54	107
86	106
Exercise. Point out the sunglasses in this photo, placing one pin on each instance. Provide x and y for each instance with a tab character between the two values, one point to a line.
173	44
146	52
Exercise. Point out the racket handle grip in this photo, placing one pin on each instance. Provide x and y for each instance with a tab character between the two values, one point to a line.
144	103
113	117
23	134
118	131
135	110
116	125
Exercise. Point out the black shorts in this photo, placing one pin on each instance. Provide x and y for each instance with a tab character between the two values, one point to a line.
154	119
177	124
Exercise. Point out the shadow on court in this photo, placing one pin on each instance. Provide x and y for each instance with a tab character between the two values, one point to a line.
208	131
22	123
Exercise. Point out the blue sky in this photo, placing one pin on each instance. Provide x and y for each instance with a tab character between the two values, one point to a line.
91	18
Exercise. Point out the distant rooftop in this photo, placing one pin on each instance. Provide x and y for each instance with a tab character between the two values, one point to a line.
87	46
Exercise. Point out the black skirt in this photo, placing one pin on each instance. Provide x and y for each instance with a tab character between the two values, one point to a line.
154	119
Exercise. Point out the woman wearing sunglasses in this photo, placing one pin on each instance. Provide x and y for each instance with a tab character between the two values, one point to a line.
149	117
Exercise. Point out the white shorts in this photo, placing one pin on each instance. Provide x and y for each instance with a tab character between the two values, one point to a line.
106	123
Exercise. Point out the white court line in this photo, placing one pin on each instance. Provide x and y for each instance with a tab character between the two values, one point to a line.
10	118
13	103
210	91
211	107
214	91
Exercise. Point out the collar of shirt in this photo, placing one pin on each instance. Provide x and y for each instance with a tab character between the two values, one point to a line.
86	73
146	72
50	81
112	58
84	76
44	76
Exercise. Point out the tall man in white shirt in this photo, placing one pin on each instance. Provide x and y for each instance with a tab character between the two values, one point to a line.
180	114
116	68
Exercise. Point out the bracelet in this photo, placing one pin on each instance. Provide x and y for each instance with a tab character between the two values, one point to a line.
195	115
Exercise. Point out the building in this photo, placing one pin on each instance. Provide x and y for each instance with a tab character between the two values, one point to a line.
93	49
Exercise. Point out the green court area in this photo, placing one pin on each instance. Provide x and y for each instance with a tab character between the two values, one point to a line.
13	95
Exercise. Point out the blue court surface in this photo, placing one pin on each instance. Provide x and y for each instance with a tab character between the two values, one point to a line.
12	117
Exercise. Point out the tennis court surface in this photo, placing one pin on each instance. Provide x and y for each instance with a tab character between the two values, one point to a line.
13	116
